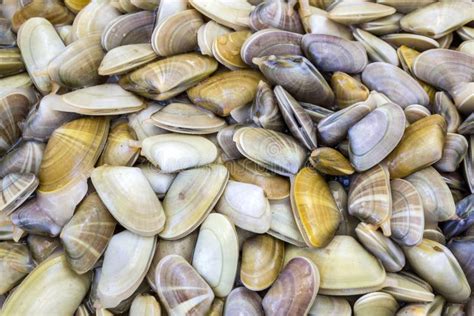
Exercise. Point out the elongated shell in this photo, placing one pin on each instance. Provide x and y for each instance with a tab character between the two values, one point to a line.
407	287
331	306
275	14
454	152
265	112
122	59
15	263
348	90
119	149
377	49
317	21
93	19
446	108
145	305
231	14
31	218
469	163
63	284
416	112
139	210
207	34
87	234
380	303
15	188
242	300
10	62
330	161
126	261
359	12
283	224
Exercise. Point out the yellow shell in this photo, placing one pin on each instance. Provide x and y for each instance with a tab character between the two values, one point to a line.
330	161
347	89
226	49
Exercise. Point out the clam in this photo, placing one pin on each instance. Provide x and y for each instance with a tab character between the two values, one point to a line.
231	14
283	225
65	32
242	300
7	38
141	123
466	47
359	12
421	146
216	254
87	234
10	62
132	28
122	59
190	198
7	230
68	160
446	108
93	19
36	55
330	161
145	305
246	205
31	218
434	234
377	49
382	26
415	112
316	21
272	150
177	33
462	250
330	53
76	5
370	198
316	112
437	265
15	263
226	49
10	83
243	170
348	90
52	10
65	290
469	164
467	127
265	111
382	247
41	247
227	145
406	6
415	41
149	5
437	19
406	287
348	223
445	41
433	308
463	220
298	76
242	115
386	125
120	149
298	121
294	292
331	306
126	261
173	152
276	15
139	211
226	91
345	267
453	309
168	77
15	189
454	151
187	119
376	303
207	34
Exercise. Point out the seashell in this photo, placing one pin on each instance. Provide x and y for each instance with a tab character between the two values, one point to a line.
262	261
406	6
6	227
469	164
453	309
329	161
149	5
272	150
294	292
76	5
283	224
10	62
168	77
217	307
17	82
382	26
191	198
298	76
357	12
298	121
466	32
415	112
462	251
444	107
82	311
454	151
93	19
434	234
140	212
276	15
377	49
87	234
187	119
317	21
463	220
15	189
66	287
436	264
265	111
330	53
7	38
173	152
242	115
231	14
348	222
41	247
246	205
119	149
177	33
433	308
31	218
216	254
65	32
241	300
467	127
226	49
387	124
141	123
348	90
15	263
380	303
382	247
122	59
415	41
437	19
221	94
126	261
52	10
312	202
421	146
406	287
395	83
331	306
132	28
466	47
207	34
145	305
316	112
445	41
333	128
346	268
226	143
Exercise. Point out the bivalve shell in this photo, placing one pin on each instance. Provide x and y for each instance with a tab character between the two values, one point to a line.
122	59
15	263
231	14
15	188
376	303
242	300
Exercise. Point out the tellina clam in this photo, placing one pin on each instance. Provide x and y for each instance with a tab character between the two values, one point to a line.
120	149
265	111
275	14
347	89
15	263
241	300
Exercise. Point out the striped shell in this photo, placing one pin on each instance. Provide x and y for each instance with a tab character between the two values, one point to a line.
15	188
275	15
25	158
242	300
15	263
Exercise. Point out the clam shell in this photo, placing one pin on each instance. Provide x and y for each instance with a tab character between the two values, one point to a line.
7	38
10	62
15	189
377	49
141	122
380	303
466	47
433	308
41	247
359	12
454	152
177	33
348	90
149	5
76	5
119	150
406	287
437	265
93	19
265	112
66	287
227	145
276	15
406	6
329	161
467	126
15	263
415	41
206	35
173	152
386	25
190	198
294	292
312	202
317	21
145	305
462	251
139	211
283	224
226	91
126	261
226	49
416	112
348	222
345	267
167	8
10	83
133	28
469	163
122	59
331	306
217	253
446	108
231	14
370	198
31	218
463	220
316	112
241	300
272	150
87	234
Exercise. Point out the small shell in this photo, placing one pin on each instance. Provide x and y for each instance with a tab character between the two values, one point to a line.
444	107
118	150
241	300
141	122
15	263
386	25
123	59
206	35
231	14
330	306
283	224
380	303
454	152
348	90
10	62
226	49
377	49
406	6
357	12
330	161
227	145
418	42
15	188
145	305
469	164
407	287
52	10
434	307
93	19
317	21
416	112
265	111
41	247
33	219
276	15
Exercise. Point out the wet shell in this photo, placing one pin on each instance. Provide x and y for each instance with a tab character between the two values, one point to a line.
317	21
241	300
418	42
386	25
377	49
376	303
87	234
370	198
226	49
226	143
139	211
52	10
356	12
231	14
265	112
454	152
31	218
277	15
15	189
181	289
145	305
348	90
329	161
15	263
408	221
283	224
122	59
10	62
331	306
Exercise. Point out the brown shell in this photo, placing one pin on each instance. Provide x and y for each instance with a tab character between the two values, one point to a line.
52	10
330	161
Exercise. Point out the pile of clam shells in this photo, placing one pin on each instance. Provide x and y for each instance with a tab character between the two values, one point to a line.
236	157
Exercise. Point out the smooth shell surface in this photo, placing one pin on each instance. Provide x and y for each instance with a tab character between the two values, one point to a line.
283	224
242	300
